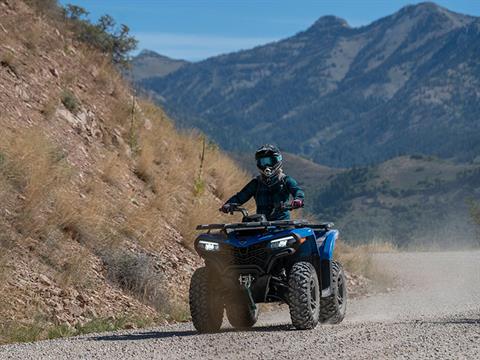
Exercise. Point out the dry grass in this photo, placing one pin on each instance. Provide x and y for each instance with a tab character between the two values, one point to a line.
73	271
8	60
32	37
50	107
112	169
225	173
144	164
144	225
35	169
358	260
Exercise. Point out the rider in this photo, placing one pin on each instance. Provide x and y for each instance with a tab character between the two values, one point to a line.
271	188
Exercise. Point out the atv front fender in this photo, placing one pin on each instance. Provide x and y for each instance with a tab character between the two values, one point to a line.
326	256
328	245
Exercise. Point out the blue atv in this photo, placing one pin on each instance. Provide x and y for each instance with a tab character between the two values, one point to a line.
260	261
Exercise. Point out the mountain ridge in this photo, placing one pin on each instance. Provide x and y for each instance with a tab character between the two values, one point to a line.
331	86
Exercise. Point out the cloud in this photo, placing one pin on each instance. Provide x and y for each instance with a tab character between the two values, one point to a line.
196	46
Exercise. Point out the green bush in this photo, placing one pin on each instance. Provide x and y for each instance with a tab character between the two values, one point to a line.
104	35
70	101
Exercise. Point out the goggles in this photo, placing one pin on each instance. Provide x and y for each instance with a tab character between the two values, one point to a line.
268	161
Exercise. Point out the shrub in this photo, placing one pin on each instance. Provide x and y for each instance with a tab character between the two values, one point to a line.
104	35
136	274
70	101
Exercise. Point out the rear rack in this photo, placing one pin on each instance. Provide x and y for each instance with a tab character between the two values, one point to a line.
265	225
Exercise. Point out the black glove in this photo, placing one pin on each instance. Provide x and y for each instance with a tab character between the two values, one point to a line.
225	208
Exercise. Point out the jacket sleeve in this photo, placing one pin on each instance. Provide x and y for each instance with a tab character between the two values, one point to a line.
294	189
245	194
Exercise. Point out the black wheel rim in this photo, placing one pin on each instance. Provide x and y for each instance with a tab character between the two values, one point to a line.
313	295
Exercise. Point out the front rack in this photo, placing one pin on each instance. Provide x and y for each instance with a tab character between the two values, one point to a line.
265	225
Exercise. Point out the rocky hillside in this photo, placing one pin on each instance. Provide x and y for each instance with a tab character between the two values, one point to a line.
99	192
407	83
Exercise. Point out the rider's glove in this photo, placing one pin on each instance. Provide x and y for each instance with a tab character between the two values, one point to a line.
296	203
225	208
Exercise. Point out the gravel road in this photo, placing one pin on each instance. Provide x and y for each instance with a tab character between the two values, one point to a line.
434	313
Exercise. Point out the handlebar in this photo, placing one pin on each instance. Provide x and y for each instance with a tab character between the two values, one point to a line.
237	208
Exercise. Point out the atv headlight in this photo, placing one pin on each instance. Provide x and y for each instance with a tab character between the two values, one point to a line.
208	245
282	242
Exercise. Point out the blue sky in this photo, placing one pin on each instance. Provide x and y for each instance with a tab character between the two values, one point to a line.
197	29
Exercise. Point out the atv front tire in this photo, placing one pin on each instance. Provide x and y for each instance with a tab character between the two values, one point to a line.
240	314
205	306
304	296
333	307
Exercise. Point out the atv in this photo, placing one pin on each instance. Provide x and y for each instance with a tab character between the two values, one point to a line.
259	261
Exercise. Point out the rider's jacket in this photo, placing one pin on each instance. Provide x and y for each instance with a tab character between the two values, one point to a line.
269	198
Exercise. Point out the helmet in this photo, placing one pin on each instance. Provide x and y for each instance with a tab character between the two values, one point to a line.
269	161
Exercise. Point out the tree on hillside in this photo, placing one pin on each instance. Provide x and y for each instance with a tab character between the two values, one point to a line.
104	35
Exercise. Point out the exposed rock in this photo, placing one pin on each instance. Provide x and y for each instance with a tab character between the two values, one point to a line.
54	72
43	279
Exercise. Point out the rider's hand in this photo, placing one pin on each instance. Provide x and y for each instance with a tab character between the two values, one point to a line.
296	203
225	208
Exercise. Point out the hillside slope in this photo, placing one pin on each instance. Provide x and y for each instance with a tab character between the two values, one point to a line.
99	193
407	83
409	201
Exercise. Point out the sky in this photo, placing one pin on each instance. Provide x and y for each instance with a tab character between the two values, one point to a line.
196	29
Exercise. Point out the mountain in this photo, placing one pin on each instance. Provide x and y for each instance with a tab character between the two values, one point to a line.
149	63
407	83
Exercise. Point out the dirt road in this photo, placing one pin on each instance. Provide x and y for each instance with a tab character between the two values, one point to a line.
434	314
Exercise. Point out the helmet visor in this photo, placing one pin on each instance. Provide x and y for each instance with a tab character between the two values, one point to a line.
268	161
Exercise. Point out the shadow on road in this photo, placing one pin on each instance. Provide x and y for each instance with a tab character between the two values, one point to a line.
181	333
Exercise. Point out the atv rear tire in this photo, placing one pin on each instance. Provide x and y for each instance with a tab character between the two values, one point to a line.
304	296
239	313
333	307
205	306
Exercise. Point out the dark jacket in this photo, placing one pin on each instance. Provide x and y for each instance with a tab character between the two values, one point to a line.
269	198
